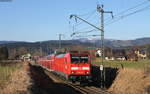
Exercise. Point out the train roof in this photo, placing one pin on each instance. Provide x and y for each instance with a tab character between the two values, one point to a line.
59	52
79	52
59	55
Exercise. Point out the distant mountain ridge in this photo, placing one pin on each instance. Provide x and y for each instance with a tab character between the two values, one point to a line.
85	41
119	43
5	42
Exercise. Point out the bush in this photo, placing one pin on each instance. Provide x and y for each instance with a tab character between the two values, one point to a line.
3	53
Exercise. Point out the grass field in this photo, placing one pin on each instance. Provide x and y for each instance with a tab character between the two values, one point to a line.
125	64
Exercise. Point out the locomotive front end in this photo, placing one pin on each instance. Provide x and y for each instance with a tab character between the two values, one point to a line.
80	67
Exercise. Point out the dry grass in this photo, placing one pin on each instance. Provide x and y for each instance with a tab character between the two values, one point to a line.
19	82
7	67
132	81
6	72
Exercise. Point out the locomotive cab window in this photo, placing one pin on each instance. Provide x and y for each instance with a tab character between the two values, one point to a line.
79	58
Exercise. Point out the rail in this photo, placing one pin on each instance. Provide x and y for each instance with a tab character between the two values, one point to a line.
77	87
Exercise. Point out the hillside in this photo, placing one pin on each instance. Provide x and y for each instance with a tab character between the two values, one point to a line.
83	41
43	48
5	42
118	43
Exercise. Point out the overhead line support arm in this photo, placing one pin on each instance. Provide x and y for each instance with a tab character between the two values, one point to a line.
85	21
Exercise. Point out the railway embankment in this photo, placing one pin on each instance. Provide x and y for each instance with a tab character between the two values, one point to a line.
29	79
131	81
18	81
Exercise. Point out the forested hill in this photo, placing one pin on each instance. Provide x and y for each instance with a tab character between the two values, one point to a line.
46	47
83	41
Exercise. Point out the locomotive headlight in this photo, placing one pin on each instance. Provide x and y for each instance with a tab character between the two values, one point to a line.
74	68
85	68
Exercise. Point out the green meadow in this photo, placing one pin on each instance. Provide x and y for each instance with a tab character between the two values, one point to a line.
125	64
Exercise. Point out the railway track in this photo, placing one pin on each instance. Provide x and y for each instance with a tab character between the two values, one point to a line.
77	87
81	89
88	90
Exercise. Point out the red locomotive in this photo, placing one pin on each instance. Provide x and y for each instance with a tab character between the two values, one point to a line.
73	66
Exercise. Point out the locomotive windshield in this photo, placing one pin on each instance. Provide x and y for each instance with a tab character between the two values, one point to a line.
79	58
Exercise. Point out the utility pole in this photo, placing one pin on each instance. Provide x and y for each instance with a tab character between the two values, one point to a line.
101	11
102	69
60	36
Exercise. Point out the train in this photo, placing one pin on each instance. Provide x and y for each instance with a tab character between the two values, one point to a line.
74	66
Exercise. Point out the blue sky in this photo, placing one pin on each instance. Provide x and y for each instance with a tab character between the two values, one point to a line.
39	20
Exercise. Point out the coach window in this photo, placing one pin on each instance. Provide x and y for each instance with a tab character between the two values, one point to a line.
60	56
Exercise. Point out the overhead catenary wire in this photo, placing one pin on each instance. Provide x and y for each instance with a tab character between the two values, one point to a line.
83	32
121	15
75	26
129	14
84	29
129	9
88	17
79	36
140	4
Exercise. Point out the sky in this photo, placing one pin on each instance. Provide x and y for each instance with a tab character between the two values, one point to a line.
41	20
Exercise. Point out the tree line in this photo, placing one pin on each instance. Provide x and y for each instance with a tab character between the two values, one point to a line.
14	51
